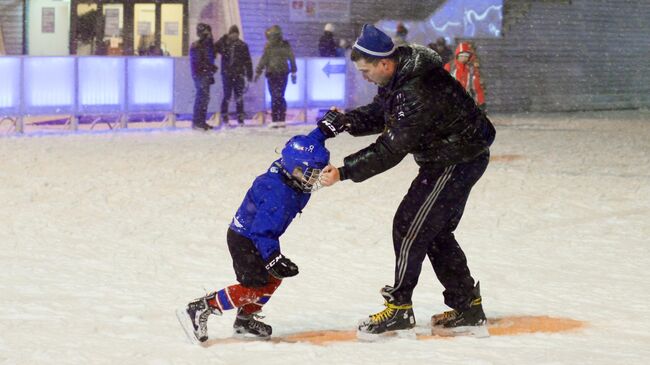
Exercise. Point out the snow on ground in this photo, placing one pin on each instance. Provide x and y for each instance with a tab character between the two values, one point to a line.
104	235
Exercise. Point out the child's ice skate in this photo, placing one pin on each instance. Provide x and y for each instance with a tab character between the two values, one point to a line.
194	318
248	326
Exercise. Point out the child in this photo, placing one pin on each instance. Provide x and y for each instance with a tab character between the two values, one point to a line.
268	208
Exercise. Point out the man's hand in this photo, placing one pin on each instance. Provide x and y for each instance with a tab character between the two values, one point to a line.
333	123
330	175
294	78
280	266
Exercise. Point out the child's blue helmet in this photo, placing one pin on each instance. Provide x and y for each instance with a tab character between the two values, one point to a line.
308	156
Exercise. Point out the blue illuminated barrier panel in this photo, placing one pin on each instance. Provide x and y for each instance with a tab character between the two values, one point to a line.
321	82
85	85
122	85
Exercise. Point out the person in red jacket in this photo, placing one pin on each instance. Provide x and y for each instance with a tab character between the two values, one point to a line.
464	68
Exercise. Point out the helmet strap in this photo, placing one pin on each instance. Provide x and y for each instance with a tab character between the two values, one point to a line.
288	178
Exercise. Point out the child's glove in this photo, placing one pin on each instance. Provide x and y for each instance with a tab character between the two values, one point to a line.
332	124
280	266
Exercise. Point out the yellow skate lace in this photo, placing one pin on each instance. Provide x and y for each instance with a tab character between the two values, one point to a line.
449	314
454	313
388	312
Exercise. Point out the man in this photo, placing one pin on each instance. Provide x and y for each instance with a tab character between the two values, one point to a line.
465	69
203	69
420	110
236	65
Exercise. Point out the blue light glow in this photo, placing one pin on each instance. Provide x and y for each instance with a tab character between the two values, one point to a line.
454	19
10	85
326	81
101	83
49	84
150	83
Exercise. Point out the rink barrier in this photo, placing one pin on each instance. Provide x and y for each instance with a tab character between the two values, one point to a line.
119	86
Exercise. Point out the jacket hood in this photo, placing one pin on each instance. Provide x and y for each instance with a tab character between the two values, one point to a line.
464	47
274	33
414	60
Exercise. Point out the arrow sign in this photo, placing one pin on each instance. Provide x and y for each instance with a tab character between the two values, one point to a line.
333	69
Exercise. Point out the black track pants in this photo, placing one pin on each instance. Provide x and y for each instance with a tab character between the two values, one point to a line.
233	84
423	226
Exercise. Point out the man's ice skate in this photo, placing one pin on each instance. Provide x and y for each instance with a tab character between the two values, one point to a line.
194	318
469	322
248	326
395	320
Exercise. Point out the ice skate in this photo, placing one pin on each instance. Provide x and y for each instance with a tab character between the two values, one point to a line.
248	326
194	318
202	127
469	322
395	320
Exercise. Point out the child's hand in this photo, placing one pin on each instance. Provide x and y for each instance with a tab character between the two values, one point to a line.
281	267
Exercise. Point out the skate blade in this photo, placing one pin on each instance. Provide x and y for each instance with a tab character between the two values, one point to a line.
248	336
186	323
472	331
408	334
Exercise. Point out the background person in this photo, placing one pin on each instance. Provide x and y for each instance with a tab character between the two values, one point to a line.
326	43
203	69
236	68
441	48
464	68
277	62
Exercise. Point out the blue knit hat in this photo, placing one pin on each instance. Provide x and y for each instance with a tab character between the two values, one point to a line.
374	42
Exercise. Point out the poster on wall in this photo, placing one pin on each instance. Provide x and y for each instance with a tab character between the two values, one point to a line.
319	11
171	28
144	28
112	22
47	20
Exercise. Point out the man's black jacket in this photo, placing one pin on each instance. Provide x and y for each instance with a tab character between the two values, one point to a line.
235	57
202	59
423	111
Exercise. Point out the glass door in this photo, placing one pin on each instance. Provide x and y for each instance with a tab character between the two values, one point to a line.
144	28
87	32
114	29
171	37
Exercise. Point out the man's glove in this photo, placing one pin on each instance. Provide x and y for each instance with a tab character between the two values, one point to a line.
332	124
280	266
294	78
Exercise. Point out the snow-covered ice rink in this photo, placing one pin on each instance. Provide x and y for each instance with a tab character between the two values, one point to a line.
103	235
